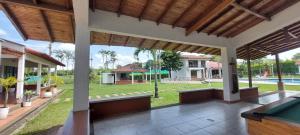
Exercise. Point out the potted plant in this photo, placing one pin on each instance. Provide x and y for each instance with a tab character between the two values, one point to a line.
48	93
6	84
28	95
57	82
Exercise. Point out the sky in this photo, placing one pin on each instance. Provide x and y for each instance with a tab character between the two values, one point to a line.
124	54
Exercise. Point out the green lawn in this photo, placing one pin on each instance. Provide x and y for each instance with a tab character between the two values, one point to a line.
56	113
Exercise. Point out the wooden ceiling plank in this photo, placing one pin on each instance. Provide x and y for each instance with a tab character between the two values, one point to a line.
14	21
110	39
154	44
210	15
185	12
72	22
176	48
234	25
121	4
126	41
250	11
35	1
148	3
68	4
93	4
166	45
141	43
47	7
166	10
197	50
187	48
215	18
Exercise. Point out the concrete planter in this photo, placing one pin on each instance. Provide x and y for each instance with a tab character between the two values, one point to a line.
26	104
4	113
48	94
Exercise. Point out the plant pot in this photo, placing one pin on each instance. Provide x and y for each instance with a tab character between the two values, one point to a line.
26	104
48	94
3	112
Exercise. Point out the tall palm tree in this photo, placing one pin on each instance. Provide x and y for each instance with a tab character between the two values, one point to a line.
154	56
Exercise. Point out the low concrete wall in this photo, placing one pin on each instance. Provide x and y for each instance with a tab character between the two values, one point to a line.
201	95
104	108
128	82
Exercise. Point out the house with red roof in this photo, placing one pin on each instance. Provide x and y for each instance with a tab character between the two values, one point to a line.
129	74
15	59
197	67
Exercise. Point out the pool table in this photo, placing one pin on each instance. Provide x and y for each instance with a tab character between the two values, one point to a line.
278	118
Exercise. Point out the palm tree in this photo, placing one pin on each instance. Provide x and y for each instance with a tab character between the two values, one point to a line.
113	58
154	56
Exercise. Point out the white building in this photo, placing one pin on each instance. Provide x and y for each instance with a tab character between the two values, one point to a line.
197	67
298	64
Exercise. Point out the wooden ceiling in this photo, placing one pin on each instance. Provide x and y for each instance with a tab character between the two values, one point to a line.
128	41
226	18
285	39
53	20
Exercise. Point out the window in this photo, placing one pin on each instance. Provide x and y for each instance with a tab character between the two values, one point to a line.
193	63
203	63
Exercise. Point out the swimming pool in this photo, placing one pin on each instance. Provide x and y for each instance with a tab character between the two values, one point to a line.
273	81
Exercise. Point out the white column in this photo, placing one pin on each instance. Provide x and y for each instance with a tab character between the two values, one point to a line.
39	82
20	77
82	56
1	67
299	69
132	78
55	71
229	56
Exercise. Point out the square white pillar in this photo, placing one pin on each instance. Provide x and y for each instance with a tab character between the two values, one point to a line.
20	77
39	81
229	74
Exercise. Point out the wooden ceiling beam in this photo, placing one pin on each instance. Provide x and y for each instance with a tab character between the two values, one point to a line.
68	4
198	49
148	3
47	7
126	41
177	47
187	48
72	22
232	26
141	43
14	21
250	11
166	45
185	12
215	18
154	44
166	10
121	3
210	15
93	5
110	39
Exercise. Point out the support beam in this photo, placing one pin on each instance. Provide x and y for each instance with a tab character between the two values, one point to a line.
154	44
250	11
20	78
141	43
110	39
249	68
280	83
210	15
166	10
187	48
48	7
14	21
176	48
230	79
166	45
149	2
126	41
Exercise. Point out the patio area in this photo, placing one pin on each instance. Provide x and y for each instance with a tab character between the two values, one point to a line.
214	118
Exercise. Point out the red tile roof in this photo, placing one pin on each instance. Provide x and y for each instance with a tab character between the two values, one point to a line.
44	56
194	57
214	65
298	62
130	68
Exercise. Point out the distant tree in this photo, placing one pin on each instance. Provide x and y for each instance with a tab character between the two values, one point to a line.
108	57
153	53
149	64
296	56
171	61
59	54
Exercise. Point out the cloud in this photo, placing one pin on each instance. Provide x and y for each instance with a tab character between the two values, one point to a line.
64	46
2	32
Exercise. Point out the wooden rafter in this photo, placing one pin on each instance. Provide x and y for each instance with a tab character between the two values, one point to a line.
201	49
250	11
148	3
253	21
185	12
141	43
166	45
187	48
72	22
126	41
227	10
110	39
93	5
232	26
210	15
212	51
48	7
197	49
68	4
154	44
14	21
121	3
35	1
166	10
176	48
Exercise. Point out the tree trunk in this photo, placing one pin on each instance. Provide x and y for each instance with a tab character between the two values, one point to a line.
6	98
155	77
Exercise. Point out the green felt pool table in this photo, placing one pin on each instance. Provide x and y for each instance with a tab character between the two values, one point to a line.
278	118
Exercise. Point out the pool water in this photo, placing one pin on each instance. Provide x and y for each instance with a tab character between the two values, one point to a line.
292	81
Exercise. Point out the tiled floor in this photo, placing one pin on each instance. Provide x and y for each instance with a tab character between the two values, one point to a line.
209	118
